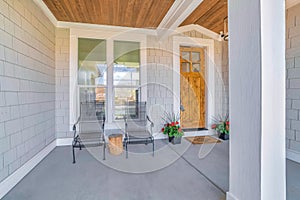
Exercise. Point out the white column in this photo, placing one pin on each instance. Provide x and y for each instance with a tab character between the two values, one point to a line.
257	99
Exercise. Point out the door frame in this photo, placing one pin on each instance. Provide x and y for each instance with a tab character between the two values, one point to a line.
209	73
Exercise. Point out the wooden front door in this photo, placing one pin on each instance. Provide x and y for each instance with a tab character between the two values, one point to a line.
192	87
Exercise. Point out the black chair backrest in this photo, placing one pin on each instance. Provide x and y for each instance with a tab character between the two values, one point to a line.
92	116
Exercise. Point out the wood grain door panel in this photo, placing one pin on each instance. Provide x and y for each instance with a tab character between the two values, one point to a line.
192	88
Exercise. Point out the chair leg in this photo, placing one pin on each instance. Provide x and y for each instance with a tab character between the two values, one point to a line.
104	146
153	148
73	150
126	149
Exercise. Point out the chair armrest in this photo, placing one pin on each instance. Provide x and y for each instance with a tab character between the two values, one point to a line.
151	123
74	127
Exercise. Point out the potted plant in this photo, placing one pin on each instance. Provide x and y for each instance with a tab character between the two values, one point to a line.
221	125
172	128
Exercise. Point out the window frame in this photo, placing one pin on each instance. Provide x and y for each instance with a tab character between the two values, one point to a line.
110	37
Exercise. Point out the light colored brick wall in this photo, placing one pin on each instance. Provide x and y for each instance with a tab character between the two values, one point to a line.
27	83
293	78
62	54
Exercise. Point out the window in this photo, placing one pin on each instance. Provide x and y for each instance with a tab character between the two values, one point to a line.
92	70
126	76
94	75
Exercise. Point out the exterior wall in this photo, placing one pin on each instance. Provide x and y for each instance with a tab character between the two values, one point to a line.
62	54
225	78
221	79
27	79
159	76
293	78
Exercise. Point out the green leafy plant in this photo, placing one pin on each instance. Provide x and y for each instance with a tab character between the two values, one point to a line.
221	124
171	125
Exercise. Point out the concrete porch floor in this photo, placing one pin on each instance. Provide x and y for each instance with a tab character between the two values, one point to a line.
189	177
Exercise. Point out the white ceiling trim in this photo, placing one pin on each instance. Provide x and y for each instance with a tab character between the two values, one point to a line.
61	24
291	3
46	11
200	29
178	12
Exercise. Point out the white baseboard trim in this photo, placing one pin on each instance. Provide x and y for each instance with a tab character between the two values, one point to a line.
64	142
13	179
157	136
230	196
293	155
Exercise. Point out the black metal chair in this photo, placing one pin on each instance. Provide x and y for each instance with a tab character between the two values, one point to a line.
89	128
138	126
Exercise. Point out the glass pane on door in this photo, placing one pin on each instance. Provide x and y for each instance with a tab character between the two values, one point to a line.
185	55
185	67
195	57
196	67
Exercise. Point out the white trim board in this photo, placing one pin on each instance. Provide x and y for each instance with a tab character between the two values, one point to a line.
64	142
200	29
293	155
230	196
46	11
13	179
178	12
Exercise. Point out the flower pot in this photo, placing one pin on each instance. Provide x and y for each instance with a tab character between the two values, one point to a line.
171	138
224	136
175	140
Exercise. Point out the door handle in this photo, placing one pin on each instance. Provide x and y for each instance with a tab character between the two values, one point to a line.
181	108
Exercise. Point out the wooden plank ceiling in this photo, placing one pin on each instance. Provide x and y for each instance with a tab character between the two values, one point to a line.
209	14
135	13
129	13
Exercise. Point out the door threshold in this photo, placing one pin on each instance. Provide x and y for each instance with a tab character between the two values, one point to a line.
194	129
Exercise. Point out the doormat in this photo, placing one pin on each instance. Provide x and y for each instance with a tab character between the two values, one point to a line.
202	140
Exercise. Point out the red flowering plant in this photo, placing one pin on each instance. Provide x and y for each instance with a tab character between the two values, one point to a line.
171	125
221	124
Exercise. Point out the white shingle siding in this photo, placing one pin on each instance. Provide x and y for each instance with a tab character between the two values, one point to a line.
27	83
62	80
293	78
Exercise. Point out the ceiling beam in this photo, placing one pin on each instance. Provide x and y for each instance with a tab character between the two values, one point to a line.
178	12
291	3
